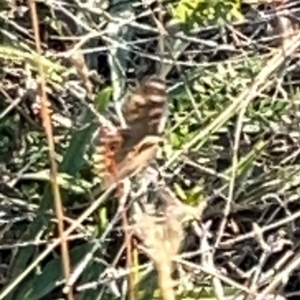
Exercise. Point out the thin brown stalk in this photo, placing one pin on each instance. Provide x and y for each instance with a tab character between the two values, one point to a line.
122	195
123	187
46	119
129	258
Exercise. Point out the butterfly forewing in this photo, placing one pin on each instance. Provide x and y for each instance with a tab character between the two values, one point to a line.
145	108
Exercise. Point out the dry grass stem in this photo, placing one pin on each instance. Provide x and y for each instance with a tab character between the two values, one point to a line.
162	241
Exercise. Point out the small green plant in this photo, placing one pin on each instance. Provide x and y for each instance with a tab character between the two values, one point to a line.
206	12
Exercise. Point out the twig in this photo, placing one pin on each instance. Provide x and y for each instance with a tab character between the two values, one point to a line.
45	114
123	194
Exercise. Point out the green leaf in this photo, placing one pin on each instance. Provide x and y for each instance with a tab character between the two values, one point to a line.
103	98
40	285
66	181
180	192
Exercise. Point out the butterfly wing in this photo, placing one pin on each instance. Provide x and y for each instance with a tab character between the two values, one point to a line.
143	112
145	108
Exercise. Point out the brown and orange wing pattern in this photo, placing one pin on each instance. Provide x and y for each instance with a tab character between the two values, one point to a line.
145	108
125	152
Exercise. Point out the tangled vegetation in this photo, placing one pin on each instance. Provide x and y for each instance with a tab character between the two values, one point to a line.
214	215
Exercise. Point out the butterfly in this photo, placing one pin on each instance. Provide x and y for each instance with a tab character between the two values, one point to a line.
124	152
